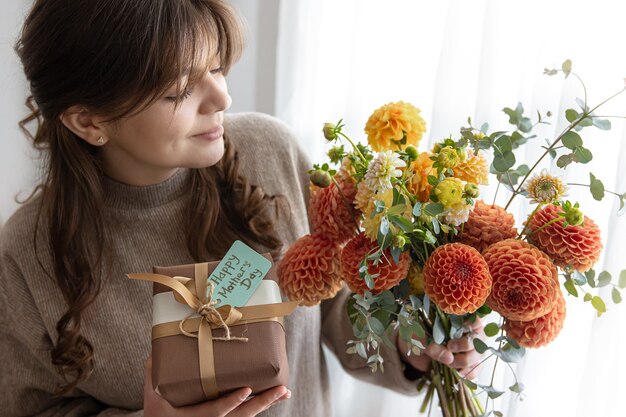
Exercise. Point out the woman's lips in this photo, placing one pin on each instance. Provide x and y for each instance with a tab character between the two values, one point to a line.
212	134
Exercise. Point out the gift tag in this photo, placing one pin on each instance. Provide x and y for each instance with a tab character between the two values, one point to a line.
238	275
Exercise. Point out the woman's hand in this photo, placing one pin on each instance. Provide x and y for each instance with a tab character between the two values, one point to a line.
458	353
231	405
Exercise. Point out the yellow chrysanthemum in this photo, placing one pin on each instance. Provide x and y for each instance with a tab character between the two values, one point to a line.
474	169
371	225
422	168
416	279
395	126
544	188
450	192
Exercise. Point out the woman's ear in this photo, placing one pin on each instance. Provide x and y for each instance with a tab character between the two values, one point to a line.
85	125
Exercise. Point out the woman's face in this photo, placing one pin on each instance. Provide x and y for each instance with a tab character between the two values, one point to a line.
147	148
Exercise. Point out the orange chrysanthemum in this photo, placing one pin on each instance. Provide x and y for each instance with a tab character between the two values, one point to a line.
474	169
422	168
389	273
540	331
525	281
576	246
332	212
310	270
395	126
456	278
487	224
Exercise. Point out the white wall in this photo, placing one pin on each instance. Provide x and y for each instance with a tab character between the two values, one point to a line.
251	84
17	166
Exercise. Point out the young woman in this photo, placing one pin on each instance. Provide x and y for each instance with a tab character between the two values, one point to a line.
141	167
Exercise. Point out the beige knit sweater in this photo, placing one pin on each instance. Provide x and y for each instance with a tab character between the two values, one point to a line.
146	223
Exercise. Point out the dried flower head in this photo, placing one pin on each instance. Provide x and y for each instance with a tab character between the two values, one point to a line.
310	270
544	188
389	274
576	246
487	224
540	331
457	279
525	281
394	126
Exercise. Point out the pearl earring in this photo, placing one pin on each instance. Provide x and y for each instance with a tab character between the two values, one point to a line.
101	141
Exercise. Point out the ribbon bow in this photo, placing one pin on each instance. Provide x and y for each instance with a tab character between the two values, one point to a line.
186	291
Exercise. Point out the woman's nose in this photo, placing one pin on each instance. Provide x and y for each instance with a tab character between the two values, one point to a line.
216	94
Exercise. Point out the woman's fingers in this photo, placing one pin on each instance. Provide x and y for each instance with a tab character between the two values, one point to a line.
440	353
262	401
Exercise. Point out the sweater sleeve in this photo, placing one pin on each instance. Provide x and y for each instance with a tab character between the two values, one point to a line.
28	379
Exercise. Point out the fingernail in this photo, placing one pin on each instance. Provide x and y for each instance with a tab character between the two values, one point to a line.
279	394
245	394
288	394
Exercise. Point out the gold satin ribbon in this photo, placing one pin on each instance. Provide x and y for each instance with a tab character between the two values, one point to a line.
211	318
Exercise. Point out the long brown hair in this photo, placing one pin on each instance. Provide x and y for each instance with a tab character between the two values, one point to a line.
116	57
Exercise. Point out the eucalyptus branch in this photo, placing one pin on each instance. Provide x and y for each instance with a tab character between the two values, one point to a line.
589	186
353	145
528	221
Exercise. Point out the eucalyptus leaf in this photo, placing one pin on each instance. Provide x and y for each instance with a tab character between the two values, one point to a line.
518	387
598	304
567	67
583	155
571	140
565	160
579	278
569	286
596	187
470	384
602	124
491	329
384	226
616	295
480	346
351	350
433	209
587	297
360	349
426	304
604	279
503	162
510	354
622	279
439	333
582	104
571	115
417	209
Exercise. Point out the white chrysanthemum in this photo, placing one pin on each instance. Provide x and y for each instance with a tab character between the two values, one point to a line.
545	188
458	214
382	169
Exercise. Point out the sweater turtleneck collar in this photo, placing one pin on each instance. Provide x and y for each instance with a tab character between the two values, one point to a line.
124	196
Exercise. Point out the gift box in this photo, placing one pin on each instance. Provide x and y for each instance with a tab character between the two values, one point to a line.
200	352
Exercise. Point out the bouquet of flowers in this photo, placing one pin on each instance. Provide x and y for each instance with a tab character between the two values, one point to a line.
424	257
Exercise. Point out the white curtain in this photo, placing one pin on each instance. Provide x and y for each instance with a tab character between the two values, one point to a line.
454	59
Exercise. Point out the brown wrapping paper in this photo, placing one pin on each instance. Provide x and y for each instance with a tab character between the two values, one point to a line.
259	363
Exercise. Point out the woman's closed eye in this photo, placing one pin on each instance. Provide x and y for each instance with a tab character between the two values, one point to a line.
180	97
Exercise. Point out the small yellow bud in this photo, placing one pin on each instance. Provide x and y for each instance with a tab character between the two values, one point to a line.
462	154
471	190
399	241
437	148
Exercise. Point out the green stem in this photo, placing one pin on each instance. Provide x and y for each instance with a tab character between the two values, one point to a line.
427	398
528	221
353	145
556	219
589	186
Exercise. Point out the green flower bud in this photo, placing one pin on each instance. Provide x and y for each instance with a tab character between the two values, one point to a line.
437	148
399	241
321	178
330	131
412	152
335	154
425	218
574	216
471	190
